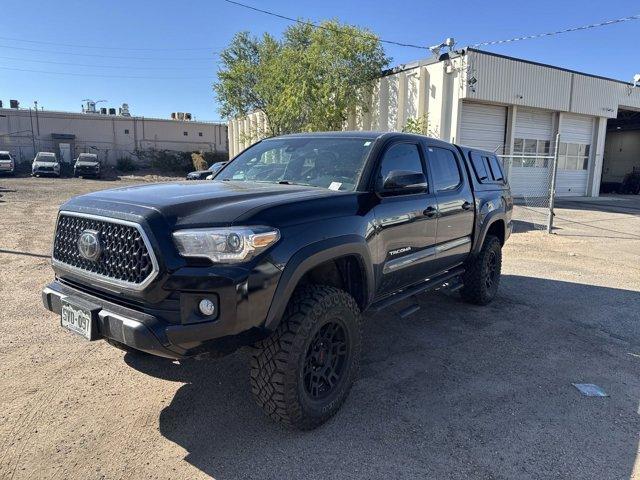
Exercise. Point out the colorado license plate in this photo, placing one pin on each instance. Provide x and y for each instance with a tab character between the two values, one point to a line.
76	319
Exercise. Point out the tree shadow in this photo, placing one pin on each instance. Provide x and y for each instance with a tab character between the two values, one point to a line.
454	391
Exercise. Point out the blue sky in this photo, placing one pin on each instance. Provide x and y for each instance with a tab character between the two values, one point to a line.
176	41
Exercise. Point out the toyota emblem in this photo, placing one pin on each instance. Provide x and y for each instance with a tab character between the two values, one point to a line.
89	245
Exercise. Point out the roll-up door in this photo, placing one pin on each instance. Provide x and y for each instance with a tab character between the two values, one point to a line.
529	163
574	157
483	126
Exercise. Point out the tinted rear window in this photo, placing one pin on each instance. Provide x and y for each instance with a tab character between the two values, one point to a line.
487	168
4	156
479	167
444	167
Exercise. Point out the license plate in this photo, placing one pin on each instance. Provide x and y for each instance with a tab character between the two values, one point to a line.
77	320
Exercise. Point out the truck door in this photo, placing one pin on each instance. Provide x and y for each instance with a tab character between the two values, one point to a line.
405	222
456	211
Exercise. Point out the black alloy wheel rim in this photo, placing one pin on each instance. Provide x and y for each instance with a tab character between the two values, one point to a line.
326	360
492	269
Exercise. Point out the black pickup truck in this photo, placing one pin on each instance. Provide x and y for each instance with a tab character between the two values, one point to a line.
281	253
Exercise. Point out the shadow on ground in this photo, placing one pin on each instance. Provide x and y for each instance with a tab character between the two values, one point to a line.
454	391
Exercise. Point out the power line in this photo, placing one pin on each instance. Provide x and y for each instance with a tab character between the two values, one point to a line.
558	32
150	67
103	47
102	76
323	27
95	55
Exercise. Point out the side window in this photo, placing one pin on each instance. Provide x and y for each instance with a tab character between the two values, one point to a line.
445	169
401	156
479	167
496	169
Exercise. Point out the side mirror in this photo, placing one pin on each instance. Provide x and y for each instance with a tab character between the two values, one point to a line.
403	181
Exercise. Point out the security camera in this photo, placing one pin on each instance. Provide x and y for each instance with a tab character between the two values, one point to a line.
435	49
636	79
449	42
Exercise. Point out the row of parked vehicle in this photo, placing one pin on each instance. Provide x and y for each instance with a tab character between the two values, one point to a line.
47	163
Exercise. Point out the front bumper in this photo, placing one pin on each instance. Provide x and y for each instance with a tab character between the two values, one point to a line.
158	334
86	171
6	168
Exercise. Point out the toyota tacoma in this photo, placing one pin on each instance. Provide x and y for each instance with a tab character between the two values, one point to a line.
295	238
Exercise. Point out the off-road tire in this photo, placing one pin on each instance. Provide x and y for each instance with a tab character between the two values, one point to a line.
482	276
280	363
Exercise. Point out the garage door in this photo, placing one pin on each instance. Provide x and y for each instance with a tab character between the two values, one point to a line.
483	126
576	133
529	166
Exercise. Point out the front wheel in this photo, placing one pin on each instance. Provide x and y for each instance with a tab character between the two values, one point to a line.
482	276
302	373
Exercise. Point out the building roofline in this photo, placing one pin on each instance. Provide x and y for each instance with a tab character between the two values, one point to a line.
114	117
430	61
540	64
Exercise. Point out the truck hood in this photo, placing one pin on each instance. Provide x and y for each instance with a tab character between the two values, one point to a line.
191	204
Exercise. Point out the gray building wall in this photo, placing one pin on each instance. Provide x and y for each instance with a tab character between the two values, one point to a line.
110	136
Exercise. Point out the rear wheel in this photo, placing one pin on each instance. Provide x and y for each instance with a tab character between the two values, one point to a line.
482	276
301	374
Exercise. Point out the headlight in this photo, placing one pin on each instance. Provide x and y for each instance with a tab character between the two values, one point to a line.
225	245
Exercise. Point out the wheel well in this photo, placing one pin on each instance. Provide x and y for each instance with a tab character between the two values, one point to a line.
346	273
497	230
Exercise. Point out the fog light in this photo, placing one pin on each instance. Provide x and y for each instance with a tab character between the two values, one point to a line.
207	307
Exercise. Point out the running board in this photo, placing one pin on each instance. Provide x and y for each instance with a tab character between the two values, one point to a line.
428	285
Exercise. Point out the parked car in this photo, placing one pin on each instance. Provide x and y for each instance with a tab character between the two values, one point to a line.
205	174
7	164
282	253
45	163
87	165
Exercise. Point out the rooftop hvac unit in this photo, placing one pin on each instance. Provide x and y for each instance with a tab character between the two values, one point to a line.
173	115
112	111
14	104
0	103
124	110
187	116
103	111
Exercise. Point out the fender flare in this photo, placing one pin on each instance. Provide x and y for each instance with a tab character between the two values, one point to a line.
311	256
490	219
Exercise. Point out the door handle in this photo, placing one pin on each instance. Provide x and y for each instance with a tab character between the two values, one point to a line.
466	206
429	211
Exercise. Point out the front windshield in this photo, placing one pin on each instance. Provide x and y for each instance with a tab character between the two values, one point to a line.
46	158
334	163
87	158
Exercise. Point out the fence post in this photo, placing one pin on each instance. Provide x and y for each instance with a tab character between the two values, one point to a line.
552	188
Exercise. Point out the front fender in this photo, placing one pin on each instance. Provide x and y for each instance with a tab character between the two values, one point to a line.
311	256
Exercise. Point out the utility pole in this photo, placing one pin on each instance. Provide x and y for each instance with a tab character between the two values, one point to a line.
33	139
37	119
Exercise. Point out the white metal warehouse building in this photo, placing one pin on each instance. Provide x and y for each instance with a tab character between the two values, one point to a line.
24	132
511	106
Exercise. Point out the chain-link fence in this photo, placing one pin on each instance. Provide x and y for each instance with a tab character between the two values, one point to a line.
531	170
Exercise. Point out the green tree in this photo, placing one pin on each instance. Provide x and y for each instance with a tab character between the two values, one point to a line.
307	81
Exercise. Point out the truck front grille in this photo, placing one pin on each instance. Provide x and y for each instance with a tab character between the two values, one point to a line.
125	256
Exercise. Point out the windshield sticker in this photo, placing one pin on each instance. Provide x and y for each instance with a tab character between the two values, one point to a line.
366	144
335	186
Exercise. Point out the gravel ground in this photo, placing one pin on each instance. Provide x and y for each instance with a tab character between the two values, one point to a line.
453	391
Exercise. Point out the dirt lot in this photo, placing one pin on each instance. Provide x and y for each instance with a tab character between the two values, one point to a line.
453	391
